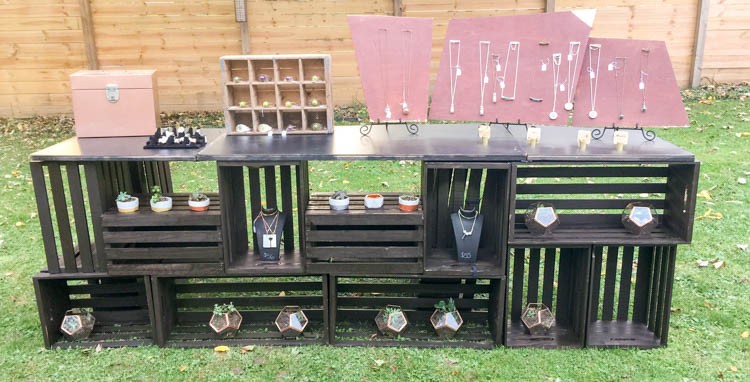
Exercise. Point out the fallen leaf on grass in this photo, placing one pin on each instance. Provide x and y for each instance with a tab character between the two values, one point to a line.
675	310
709	214
20	224
742	134
221	349
247	348
8	274
745	334
708	304
742	247
345	181
702	263
378	363
741	180
720	264
282	294
733	368
384	184
98	348
295	351
183	368
706	194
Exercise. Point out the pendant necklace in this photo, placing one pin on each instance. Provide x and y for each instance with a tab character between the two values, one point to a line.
644	73
381	41
270	227
454	71
543	68
513	46
593	77
618	66
406	78
483	79
462	217
574	47
556	61
498	67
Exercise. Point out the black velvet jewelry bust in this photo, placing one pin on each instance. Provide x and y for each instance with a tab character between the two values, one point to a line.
467	229
269	228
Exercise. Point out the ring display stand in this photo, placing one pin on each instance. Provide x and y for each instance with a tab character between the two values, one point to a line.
411	128
648	135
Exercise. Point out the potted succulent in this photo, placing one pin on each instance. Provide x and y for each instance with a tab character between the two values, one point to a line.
159	202
408	202
339	201
198	201
537	318
446	320
126	203
225	320
391	320
77	323
374	200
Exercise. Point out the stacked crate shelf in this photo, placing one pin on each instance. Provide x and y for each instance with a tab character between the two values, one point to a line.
290	93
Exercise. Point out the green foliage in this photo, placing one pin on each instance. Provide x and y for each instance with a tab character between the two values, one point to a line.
391	309
123	197
156	194
224	308
446	307
198	195
340	195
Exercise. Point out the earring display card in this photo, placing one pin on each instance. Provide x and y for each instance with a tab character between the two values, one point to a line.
641	87
393	54
517	82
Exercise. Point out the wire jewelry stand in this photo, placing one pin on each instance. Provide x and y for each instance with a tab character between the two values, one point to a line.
411	128
648	135
507	125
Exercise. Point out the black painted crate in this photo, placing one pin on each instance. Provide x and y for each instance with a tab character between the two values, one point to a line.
556	277
121	306
361	240
447	186
590	199
177	242
356	301
631	294
183	307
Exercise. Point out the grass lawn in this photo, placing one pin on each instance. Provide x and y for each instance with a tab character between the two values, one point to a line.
710	308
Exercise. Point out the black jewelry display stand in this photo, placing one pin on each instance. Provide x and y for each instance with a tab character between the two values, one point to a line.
412	128
507	125
648	135
153	141
271	253
467	247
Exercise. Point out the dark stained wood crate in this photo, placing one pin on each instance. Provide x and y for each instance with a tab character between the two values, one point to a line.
183	308
631	296
121	306
246	187
447	186
361	240
176	242
556	277
590	200
356	301
80	192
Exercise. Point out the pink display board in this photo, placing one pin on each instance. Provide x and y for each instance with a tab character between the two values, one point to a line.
393	54
641	75
539	37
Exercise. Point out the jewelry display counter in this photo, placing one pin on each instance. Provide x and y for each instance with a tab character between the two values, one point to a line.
341	267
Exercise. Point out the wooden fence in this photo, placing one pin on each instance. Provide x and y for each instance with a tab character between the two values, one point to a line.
43	41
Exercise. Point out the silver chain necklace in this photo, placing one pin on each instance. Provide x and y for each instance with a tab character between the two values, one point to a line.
462	217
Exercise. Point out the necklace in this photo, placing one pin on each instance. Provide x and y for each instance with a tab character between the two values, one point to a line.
483	79
498	67
454	71
381	40
644	73
618	65
406	78
574	48
556	61
513	46
270	220
594	77
462	217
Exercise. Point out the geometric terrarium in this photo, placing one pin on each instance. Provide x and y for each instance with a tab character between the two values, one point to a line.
445	319
537	318
225	320
77	323
391	321
638	218
291	321
541	218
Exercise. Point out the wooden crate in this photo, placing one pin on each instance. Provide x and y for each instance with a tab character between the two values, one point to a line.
176	242
355	302
183	308
590	200
631	295
446	186
286	191
363	241
75	242
556	277
278	101
121	306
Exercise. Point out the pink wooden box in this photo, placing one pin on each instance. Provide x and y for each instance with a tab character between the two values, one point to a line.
114	103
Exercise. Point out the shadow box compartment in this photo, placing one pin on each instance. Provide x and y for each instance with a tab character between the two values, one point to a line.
356	301
447	186
314	67
120	305
589	200
239	69
366	241
631	295
261	67
245	188
183	308
556	277
288	68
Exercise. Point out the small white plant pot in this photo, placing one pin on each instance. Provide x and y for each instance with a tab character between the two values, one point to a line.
199	205
338	204
129	206
162	206
408	205
374	200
